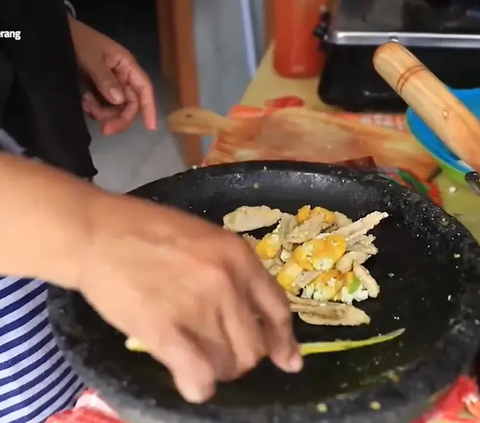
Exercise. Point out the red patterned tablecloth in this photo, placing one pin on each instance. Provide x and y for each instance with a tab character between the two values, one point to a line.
459	405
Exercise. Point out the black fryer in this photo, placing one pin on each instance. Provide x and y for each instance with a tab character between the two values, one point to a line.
443	34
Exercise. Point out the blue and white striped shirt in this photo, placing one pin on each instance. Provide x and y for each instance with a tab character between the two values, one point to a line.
35	379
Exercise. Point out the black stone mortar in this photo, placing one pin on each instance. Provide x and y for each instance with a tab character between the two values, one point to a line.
428	267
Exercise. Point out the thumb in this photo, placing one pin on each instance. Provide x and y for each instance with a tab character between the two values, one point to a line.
107	84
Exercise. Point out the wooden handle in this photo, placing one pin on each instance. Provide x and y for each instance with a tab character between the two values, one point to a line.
198	122
454	124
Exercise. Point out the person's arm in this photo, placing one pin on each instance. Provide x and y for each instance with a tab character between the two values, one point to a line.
44	220
194	294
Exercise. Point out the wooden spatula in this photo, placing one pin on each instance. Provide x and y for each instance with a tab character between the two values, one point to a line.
453	123
198	121
301	134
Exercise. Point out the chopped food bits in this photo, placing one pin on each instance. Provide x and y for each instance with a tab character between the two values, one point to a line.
316	255
287	275
269	246
250	218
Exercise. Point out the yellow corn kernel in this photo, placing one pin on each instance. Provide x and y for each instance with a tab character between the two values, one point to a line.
328	216
287	275
303	254
133	344
303	214
268	247
324	293
336	246
326	278
320	254
325	286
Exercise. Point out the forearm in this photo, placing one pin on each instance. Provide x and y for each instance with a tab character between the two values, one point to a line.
45	221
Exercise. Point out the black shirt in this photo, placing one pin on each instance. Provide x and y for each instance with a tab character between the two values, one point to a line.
40	101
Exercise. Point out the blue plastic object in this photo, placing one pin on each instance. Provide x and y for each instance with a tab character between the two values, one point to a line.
448	161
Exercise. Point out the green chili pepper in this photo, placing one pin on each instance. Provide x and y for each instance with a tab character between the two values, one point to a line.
353	287
327	347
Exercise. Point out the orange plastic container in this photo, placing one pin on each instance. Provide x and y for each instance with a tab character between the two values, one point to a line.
296	53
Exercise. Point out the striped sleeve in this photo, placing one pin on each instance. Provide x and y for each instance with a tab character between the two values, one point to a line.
35	379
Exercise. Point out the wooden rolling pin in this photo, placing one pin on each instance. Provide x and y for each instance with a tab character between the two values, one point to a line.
453	123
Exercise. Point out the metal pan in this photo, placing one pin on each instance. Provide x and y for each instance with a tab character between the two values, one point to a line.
429	270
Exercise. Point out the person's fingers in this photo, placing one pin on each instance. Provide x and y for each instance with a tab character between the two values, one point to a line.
114	119
274	309
124	119
146	96
192	372
130	73
243	329
96	111
217	348
106	83
272	306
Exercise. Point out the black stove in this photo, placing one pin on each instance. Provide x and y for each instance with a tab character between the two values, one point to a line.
442	16
443	34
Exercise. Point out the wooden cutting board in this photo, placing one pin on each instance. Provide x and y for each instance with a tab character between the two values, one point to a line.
302	134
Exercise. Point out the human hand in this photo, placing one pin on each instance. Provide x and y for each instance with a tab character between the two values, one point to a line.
193	294
125	87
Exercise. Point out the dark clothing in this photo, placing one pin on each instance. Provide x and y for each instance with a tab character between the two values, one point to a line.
40	101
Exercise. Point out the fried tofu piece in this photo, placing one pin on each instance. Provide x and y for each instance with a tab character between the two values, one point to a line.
247	218
306	231
341	220
331	314
275	268
286	226
368	282
303	301
359	247
360	227
345	264
305	278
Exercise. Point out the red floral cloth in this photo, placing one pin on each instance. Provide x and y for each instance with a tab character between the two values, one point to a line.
461	404
88	409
